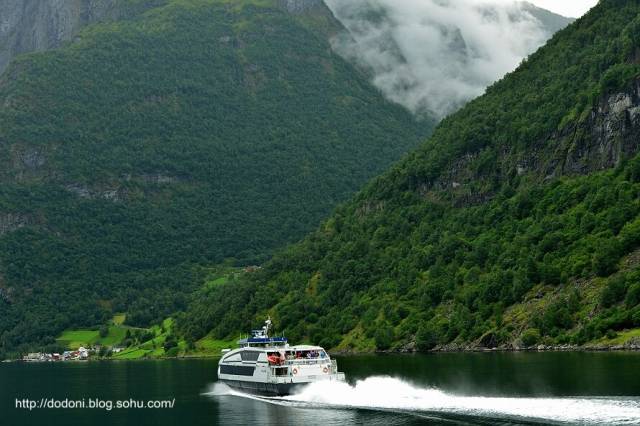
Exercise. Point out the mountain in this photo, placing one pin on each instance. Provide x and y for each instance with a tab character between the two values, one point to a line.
38	25
516	224
174	136
551	22
433	56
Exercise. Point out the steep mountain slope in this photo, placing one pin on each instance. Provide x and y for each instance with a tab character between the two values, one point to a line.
551	22
37	25
516	223
189	133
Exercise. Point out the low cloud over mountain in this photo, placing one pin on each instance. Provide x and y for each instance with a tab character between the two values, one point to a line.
432	56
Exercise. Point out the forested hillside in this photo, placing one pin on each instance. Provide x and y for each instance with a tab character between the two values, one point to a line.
515	224
190	133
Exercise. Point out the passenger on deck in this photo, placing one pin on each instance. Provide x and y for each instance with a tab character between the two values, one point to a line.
273	358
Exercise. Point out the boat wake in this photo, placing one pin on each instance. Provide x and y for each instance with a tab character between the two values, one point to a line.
390	394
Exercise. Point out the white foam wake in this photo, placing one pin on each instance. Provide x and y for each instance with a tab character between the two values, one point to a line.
387	393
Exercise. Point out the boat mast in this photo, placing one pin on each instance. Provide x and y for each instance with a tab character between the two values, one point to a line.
266	326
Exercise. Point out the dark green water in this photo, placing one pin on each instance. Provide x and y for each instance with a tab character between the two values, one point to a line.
522	388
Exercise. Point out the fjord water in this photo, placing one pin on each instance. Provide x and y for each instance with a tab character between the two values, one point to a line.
475	388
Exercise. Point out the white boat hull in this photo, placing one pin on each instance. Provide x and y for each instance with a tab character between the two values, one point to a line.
273	389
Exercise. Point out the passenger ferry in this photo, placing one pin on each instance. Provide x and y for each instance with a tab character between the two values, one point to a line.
268	366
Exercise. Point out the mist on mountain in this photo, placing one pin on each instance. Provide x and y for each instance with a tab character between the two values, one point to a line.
433	56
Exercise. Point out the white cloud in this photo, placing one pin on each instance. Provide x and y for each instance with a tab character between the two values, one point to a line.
572	8
434	55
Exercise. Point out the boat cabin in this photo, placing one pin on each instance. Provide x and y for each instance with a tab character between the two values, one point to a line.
268	365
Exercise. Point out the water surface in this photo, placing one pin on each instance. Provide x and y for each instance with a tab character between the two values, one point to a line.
481	388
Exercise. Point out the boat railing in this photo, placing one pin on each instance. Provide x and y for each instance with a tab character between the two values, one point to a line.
280	370
305	361
301	361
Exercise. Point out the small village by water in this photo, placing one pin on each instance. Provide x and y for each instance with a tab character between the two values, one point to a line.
80	354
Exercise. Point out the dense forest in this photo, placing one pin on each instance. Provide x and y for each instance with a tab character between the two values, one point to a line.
186	133
516	224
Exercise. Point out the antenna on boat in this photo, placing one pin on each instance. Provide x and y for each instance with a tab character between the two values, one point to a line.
267	326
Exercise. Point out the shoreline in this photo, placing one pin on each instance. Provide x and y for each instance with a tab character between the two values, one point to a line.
449	349
455	348
592	347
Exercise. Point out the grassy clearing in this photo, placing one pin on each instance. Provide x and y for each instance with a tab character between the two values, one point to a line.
621	338
116	335
208	346
205	347
220	275
131	354
73	339
218	281
152	348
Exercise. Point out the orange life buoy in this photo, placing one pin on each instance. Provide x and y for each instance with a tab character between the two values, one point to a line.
325	370
295	371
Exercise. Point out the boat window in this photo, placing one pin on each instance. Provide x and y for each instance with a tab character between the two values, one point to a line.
281	371
237	370
249	355
232	357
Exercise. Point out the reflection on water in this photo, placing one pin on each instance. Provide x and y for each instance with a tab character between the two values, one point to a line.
438	389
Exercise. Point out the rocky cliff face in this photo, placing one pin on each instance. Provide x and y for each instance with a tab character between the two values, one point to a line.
35	25
300	6
609	134
10	222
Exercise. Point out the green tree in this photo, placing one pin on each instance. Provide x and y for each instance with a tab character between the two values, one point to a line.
383	337
426	337
104	331
530	337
